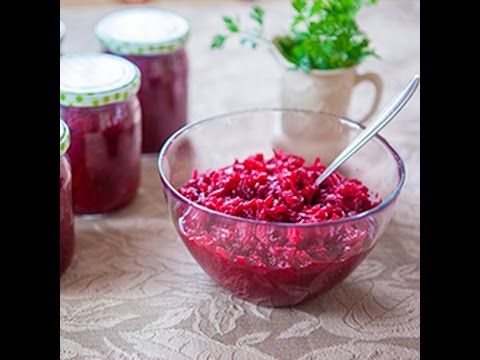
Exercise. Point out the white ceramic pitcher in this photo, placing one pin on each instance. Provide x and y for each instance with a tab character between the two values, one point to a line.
320	90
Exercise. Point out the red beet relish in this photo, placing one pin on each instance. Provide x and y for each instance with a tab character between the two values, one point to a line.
280	189
266	263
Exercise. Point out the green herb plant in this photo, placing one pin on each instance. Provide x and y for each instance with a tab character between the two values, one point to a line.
323	34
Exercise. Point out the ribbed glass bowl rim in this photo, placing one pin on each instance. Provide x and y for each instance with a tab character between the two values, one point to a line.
362	215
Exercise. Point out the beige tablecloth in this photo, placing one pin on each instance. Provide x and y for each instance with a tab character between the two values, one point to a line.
134	292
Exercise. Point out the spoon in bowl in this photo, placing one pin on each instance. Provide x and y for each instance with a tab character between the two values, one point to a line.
371	130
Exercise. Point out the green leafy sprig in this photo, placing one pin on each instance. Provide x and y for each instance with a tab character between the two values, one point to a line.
251	36
323	34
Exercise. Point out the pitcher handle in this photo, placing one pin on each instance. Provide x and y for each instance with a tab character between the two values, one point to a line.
378	83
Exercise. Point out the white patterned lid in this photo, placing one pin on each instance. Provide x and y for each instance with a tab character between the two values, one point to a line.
143	31
64	137
63	30
88	80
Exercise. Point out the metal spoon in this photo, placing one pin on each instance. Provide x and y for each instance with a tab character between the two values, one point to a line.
383	119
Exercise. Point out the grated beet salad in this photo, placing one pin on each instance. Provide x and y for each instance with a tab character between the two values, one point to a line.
280	189
274	264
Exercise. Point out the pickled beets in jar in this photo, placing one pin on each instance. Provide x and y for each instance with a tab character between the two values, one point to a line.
98	102
67	232
154	40
268	250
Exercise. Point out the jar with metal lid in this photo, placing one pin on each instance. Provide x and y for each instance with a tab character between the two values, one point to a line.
98	102
154	39
67	232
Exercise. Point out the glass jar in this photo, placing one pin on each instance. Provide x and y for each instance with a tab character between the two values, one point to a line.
153	39
63	30
98	102
67	233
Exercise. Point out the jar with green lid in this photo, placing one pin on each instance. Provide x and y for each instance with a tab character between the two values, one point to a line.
154	39
67	233
98	101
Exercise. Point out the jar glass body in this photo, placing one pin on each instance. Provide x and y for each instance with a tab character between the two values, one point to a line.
67	232
163	95
105	154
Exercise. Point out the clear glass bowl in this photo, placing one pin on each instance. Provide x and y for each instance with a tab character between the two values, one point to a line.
325	253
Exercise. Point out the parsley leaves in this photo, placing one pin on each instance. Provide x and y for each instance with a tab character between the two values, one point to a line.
323	34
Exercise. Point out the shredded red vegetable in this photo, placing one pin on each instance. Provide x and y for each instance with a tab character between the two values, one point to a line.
279	189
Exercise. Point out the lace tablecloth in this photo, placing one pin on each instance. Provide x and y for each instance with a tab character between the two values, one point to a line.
134	292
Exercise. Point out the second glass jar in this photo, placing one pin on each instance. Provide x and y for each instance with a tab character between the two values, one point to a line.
98	102
67	227
153	39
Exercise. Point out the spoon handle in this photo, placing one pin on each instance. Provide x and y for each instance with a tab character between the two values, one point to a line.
383	119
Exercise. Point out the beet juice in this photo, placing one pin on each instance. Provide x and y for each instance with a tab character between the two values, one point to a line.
154	40
67	233
267	248
98	102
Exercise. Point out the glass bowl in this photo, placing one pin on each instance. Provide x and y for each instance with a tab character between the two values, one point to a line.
268	263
